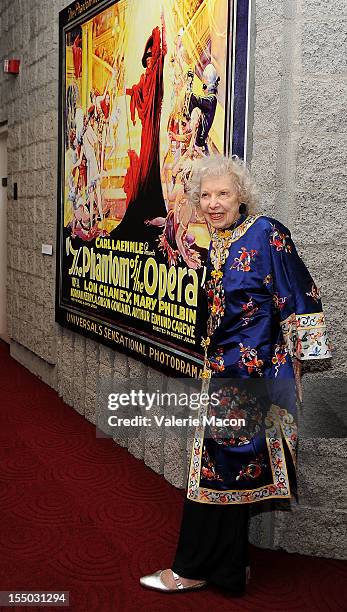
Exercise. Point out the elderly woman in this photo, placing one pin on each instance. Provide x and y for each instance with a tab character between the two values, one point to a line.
265	318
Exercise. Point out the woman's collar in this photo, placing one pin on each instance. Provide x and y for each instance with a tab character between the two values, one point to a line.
235	231
238	221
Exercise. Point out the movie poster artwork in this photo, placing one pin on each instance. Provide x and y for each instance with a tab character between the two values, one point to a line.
146	89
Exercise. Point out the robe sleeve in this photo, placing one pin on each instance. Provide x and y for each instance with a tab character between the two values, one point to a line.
296	298
156	48
137	100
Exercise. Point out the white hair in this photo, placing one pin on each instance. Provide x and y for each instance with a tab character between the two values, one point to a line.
219	165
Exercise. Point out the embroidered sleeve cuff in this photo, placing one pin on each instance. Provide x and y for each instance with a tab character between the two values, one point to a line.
305	336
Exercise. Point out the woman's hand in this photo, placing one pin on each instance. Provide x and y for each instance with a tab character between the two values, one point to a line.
297	365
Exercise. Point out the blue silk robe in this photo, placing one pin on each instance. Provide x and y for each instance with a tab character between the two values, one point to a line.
264	310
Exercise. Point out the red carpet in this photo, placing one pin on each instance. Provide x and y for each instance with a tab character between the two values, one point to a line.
81	514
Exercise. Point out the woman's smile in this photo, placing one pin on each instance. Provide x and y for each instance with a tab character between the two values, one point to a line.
219	201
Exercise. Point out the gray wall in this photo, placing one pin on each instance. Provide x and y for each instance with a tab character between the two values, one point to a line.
299	159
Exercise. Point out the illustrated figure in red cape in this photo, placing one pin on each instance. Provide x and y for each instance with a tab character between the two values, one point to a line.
129	177
144	184
77	56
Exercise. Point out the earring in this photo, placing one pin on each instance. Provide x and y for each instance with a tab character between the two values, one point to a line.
242	208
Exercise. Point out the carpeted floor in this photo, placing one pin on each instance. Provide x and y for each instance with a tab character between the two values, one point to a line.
80	514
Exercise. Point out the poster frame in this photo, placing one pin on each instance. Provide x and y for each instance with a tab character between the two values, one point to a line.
236	141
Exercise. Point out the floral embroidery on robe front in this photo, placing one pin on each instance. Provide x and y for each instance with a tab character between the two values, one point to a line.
264	309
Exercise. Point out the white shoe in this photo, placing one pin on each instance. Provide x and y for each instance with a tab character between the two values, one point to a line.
154	581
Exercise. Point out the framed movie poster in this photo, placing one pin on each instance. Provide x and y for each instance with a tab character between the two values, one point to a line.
145	89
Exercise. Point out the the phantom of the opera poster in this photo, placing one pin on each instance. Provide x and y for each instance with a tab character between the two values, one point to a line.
146	88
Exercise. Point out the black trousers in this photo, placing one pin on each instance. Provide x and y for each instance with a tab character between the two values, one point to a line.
213	544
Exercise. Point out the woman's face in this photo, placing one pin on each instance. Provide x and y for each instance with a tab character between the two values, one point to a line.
219	201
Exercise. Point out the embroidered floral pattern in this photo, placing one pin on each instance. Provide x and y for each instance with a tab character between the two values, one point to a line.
290	431
221	241
268	280
208	467
243	263
279	240
239	407
253	470
314	293
216	361
279	488
215	303
290	334
249	359
206	373
278	301
287	424
248	310
279	357
305	336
